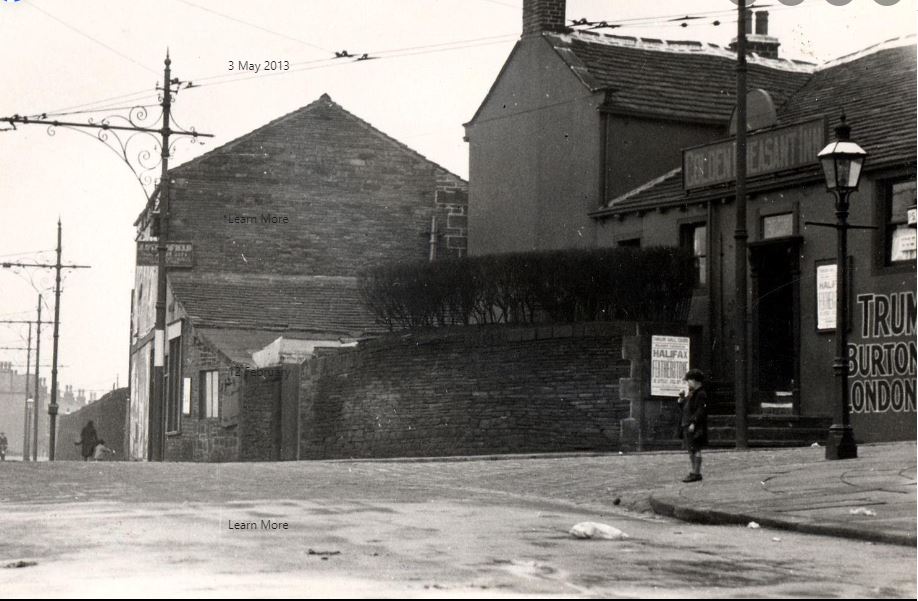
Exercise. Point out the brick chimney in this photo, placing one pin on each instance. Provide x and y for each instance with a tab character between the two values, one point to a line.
543	15
759	42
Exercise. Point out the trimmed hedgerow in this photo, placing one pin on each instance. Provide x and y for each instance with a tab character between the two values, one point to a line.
640	284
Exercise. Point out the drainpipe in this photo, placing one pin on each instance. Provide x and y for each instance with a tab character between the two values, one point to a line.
433	238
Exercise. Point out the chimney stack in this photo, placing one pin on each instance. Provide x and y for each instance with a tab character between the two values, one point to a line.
761	22
760	42
543	16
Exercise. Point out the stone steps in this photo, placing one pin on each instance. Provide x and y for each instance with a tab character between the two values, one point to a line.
770	430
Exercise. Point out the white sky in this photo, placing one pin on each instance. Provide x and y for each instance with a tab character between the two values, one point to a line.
62	53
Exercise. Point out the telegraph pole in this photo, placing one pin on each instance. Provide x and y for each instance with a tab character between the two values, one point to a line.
25	413
740	235
37	402
52	408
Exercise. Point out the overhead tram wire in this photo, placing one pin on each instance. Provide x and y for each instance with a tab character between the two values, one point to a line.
336	61
259	27
92	106
140	94
86	35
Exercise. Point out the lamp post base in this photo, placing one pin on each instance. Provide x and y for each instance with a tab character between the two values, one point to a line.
840	444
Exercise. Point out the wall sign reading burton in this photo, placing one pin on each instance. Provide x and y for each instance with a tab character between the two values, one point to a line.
768	151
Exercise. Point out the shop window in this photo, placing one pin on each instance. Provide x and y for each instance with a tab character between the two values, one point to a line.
210	393
173	383
899	236
694	237
777	226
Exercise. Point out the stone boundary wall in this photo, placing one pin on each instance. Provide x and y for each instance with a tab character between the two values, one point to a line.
473	390
109	416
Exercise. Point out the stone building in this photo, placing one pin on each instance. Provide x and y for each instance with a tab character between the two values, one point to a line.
280	221
12	407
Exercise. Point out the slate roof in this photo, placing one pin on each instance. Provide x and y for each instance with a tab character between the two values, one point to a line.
320	305
687	80
877	90
878	93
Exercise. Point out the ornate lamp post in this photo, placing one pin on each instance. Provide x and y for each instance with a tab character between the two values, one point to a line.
842	161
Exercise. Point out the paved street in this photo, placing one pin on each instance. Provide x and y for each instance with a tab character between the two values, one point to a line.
412	528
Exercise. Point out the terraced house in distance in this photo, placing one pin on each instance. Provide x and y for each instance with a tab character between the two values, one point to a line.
590	140
267	234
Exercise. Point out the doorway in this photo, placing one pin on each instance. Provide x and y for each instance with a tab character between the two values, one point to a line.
776	306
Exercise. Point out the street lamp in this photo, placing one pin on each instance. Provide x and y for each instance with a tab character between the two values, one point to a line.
842	161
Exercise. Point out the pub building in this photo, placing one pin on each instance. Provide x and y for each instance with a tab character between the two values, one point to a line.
792	260
590	140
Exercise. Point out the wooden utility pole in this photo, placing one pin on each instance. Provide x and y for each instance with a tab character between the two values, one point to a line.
25	419
52	408
36	403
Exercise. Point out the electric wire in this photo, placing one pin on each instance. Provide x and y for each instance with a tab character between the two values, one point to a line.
259	27
658	20
86	35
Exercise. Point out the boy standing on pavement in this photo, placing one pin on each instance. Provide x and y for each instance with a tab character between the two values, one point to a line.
693	429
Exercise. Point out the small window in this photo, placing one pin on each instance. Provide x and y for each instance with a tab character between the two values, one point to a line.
210	396
900	236
694	236
630	242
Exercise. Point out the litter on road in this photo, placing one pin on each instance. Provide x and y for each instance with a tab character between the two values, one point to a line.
597	530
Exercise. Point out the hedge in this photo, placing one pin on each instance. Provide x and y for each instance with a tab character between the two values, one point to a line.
640	284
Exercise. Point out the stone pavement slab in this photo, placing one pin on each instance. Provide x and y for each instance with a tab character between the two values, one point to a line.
870	498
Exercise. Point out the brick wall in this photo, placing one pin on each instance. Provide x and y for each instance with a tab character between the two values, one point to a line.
467	391
109	416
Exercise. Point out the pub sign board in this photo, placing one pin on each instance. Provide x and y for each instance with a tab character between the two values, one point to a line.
769	151
178	254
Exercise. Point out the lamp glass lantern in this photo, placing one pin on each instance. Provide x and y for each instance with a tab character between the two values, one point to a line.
842	161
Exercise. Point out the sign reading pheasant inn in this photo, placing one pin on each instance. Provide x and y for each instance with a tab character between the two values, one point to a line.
768	151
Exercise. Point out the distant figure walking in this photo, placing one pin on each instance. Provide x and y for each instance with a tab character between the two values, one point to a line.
88	440
3	445
693	429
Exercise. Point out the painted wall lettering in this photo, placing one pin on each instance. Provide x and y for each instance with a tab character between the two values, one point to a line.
882	366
